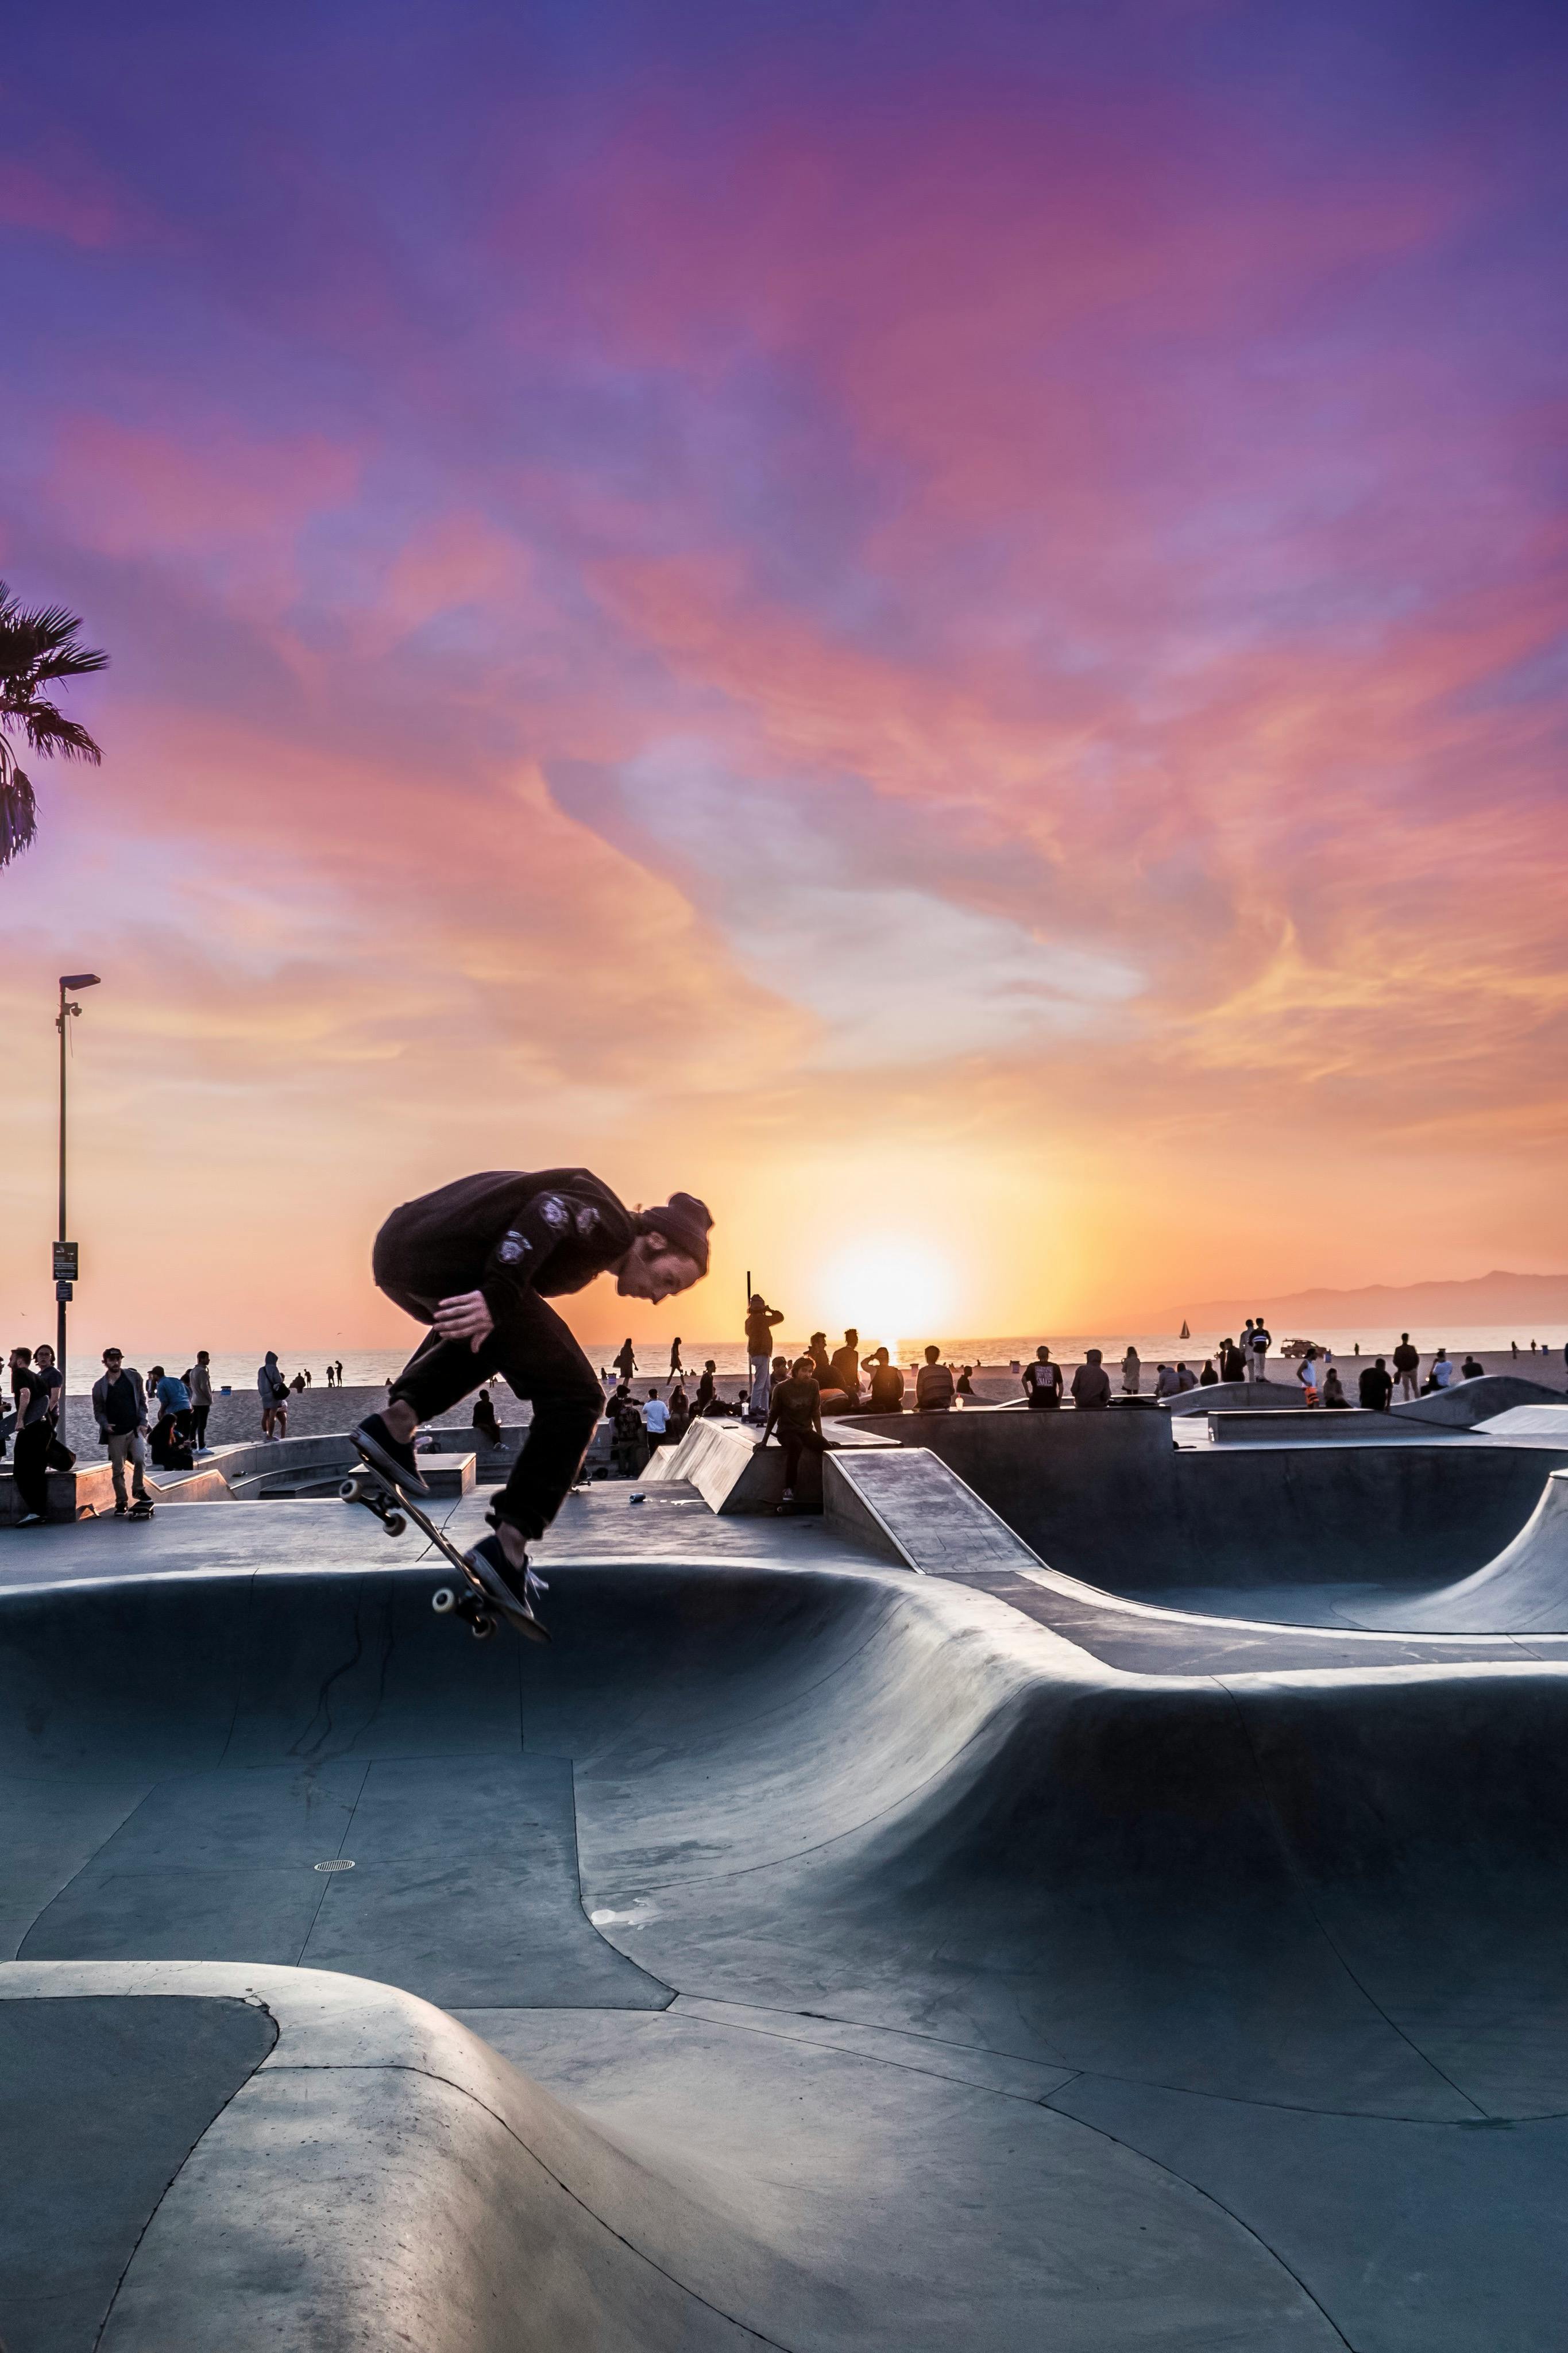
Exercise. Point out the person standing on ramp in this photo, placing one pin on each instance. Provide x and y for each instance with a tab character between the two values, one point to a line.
478	1261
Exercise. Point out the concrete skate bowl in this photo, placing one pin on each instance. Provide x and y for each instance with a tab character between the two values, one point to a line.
1107	1498
839	1961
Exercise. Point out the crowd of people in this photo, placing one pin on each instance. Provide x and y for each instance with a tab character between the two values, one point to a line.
162	1419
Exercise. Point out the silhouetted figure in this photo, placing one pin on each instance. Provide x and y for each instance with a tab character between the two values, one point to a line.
1043	1382
1375	1388
934	1386
484	1419
1208	1378
1091	1383
843	1367
1131	1371
887	1391
760	1320
1406	1364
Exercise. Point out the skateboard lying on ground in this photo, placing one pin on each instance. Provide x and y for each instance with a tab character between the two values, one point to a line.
473	1601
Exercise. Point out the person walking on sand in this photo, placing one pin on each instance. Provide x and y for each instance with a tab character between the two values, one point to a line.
675	1367
480	1259
761	1320
1043	1382
1131	1371
625	1360
795	1409
1406	1364
273	1390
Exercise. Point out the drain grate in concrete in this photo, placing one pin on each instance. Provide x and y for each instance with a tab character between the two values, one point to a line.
340	1864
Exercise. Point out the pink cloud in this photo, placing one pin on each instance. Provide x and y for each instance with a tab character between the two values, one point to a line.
140	492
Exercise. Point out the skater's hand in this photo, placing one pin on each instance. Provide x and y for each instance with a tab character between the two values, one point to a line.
466	1317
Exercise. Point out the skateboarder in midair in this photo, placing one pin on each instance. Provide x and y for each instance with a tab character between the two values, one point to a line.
477	1261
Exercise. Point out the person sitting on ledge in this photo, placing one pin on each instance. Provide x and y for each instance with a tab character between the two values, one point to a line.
887	1383
1208	1378
484	1419
1375	1388
934	1386
1333	1390
1091	1383
795	1410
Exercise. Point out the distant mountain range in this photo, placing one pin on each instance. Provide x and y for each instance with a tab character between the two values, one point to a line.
1535	1303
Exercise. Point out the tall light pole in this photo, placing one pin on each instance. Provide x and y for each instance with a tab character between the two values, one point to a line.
65	1251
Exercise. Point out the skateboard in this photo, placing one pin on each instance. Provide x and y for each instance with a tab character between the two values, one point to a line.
473	1601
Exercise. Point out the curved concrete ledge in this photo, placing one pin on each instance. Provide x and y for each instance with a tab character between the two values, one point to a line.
1465	1403
381	2176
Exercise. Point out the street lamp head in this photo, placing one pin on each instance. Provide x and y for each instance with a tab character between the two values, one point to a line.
78	980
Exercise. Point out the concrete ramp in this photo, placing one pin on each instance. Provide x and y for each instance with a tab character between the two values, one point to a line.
216	2155
1524	1590
906	1505
733	1472
1465	1403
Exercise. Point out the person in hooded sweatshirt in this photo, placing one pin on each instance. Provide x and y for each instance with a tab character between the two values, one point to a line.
479	1260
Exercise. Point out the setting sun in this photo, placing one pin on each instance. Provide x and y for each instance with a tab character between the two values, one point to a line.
895	1288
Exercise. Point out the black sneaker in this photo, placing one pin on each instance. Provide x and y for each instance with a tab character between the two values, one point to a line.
389	1455
510	1589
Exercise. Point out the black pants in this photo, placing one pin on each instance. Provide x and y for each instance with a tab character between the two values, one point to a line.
30	1466
534	1354
794	1442
199	1424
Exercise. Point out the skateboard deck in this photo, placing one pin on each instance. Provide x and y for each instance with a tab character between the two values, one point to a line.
473	1601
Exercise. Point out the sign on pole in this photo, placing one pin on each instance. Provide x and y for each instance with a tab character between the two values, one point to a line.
66	1270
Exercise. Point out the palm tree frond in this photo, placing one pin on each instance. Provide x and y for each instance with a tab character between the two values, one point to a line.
49	730
37	650
72	661
18	814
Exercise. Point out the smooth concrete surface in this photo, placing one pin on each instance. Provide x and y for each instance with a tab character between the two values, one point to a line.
909	1506
849	1957
1307	1426
1524	1590
382	2177
104	2099
1465	1403
1108	1498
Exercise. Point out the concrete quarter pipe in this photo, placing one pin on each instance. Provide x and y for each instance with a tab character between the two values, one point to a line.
802	1952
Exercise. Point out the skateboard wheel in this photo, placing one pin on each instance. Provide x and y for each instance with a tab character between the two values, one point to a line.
443	1600
481	1628
393	1522
352	1491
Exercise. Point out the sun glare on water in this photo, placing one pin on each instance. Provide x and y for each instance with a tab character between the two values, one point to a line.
892	1288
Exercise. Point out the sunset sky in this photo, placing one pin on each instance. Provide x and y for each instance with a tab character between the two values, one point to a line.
946	625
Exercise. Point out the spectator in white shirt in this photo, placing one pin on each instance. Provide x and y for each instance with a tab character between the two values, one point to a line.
656	1419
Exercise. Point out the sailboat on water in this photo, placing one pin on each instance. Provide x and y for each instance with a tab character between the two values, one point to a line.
1184	1333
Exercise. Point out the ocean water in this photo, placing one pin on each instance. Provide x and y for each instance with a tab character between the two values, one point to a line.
371	1367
